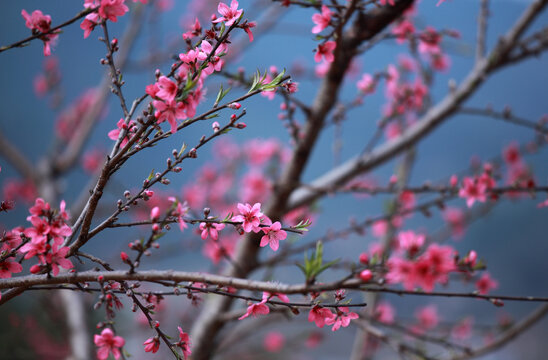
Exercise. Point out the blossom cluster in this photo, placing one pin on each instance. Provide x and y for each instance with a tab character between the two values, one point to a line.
43	240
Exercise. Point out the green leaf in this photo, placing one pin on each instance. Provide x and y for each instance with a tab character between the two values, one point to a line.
221	32
222	93
212	116
183	148
313	265
228	217
151	175
158	236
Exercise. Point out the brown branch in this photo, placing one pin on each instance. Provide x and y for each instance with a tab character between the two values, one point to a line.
508	335
173	278
431	120
482	30
506	116
365	26
24	42
17	159
74	148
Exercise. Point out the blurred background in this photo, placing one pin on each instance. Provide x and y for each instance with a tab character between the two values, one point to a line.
510	238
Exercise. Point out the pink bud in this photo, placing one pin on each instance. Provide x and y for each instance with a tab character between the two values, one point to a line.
124	256
366	275
393	179
149	193
235	105
35	269
155	227
241	125
364	259
471	258
155	213
453	181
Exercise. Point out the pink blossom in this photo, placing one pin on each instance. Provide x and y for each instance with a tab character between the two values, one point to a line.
89	23
428	317
511	154
440	62
429	41
486	284
441	257
219	249
229	14
36	246
385	313
342	318
250	217
8	267
325	51
406	200
403	30
152	344
314	339
274	341
57	257
320	315
322	68
366	84
180	211
267	296
167	89
91	160
39	22
247	28
431	267
211	229
455	218
121	125
106	343
321	20
110	9
11	239
255	309
272	235
463	329
410	242
195	30
184	342
380	227
472	190
393	130
261	151
41	85
40	208
171	111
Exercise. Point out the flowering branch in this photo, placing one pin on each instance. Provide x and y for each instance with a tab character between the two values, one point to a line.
53	30
432	119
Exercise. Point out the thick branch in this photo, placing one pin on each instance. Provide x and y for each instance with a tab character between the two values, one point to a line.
432	119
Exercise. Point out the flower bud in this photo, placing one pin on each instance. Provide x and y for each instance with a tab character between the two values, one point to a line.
366	275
